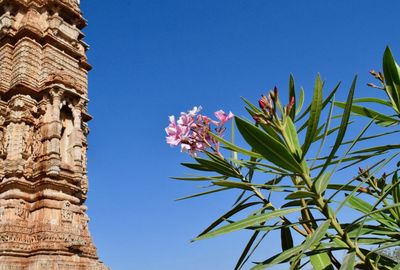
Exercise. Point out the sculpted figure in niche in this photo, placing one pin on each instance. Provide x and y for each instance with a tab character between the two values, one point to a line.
2	210
66	143
37	145
2	143
28	140
21	210
66	213
84	158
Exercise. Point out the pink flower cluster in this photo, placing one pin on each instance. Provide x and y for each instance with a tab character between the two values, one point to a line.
192	130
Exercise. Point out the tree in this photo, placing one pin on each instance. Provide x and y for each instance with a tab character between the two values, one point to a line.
296	154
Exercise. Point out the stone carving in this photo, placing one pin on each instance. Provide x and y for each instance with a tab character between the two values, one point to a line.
83	220
37	145
27	141
2	213
21	210
43	129
84	184
66	213
2	143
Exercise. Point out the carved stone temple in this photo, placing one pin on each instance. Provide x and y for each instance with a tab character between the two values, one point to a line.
43	130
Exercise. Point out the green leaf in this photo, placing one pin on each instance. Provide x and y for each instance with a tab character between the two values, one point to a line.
279	258
232	184
295	251
223	168
376	215
374	136
372	100
396	192
199	178
259	166
317	235
235	148
321	183
301	101
271	131
247	222
343	126
315	112
321	261
267	146
298	203
326	101
286	238
292	93
385	246
252	107
324	135
349	261
291	132
197	167
202	194
392	78
246	251
381	148
227	215
364	111
300	194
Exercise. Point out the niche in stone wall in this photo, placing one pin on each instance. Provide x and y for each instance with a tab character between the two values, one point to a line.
67	130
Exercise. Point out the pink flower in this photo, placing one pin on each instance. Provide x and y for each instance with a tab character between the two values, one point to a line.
192	131
194	111
222	117
174	132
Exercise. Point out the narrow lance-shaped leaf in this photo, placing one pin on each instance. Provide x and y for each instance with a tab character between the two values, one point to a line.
219	167
197	167
372	100
315	112
286	238
267	146
326	101
227	215
317	235
349	261
279	258
300	194
246	250
202	193
343	126
392	79
364	207
292	94
367	112
247	222
396	193
233	147
301	101
321	261
321	183
291	132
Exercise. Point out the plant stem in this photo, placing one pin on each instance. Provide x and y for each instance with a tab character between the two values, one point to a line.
320	202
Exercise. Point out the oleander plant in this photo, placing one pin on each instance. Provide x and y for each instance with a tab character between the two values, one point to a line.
323	176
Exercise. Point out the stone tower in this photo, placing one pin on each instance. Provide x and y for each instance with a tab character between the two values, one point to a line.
43	130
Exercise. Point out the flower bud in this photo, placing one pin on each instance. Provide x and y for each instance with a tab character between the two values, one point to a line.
263	102
276	93
363	189
291	104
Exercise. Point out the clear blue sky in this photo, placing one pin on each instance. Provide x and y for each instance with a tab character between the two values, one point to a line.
154	58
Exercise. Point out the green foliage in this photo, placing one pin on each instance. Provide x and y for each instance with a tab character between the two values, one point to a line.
318	175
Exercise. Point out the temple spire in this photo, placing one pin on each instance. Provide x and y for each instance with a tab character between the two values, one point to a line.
43	130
